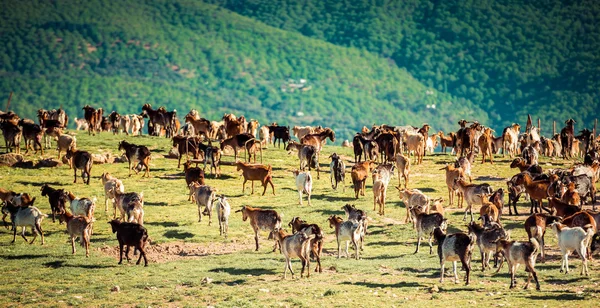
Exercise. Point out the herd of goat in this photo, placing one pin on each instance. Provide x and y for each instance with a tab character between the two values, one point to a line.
379	153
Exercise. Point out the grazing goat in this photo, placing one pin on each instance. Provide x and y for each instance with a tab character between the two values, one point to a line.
256	172
359	174
403	166
80	160
413	198
455	247
452	173
223	212
192	174
56	198
519	253
24	216
304	184
111	184
261	220
136	153
472	193
130	234
567	134
337	172
307	154
346	231
316	243
264	135
294	246
535	226
78	226
425	224
573	239
486	241
204	195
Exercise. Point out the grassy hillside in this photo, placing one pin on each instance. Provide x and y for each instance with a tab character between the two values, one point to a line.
187	54
510	58
184	251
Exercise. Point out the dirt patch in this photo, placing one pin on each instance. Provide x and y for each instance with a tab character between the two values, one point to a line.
167	252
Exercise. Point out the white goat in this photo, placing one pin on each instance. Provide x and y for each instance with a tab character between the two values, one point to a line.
82	206
573	239
346	231
111	184
223	211
26	216
304	184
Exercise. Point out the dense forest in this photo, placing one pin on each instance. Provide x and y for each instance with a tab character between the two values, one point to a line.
338	63
508	57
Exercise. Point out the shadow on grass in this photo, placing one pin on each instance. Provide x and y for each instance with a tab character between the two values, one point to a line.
330	198
243	271
384	243
329	212
233	282
380	257
427	189
556	297
62	263
39	184
372	285
163	223
24	257
156	203
178	234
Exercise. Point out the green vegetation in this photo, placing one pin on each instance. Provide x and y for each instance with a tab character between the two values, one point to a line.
188	54
509	58
184	252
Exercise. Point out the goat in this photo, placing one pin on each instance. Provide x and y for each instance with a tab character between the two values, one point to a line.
317	139
204	196
261	220
82	206
56	198
280	133
485	145
24	216
130	234
488	208
452	173
307	154
486	241
562	209
124	200
472	193
185	146
80	124
337	171
223	211
346	231
537	190
413	198
31	132
359	174
256	172
138	153
78	226
303	184
12	136
446	141
65	142
192	174
111	184
264	135
316	243
359	216
80	160
425	224
455	247
296	245
465	164
535	226
519	253
571	196
510	137
567	134
573	239
415	143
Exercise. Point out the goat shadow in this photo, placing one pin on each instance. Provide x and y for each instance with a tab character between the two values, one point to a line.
24	257
330	198
39	184
427	189
329	212
156	203
243	271
165	224
379	257
178	234
373	285
557	297
62	263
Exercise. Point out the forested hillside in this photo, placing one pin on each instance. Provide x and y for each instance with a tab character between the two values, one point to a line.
508	57
188	54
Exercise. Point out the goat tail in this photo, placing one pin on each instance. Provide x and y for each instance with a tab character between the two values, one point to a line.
536	245
589	232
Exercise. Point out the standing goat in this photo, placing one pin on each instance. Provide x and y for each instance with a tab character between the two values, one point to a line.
337	170
261	220
294	246
573	239
455	247
80	160
304	184
78	226
130	234
520	253
223	211
346	231
24	216
425	224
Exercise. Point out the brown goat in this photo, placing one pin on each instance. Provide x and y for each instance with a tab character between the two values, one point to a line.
261	219
256	172
535	226
359	174
452	173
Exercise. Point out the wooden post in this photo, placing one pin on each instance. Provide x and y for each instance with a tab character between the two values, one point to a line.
553	128
539	127
595	124
8	102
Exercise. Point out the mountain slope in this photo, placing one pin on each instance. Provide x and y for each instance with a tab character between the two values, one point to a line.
187	54
509	57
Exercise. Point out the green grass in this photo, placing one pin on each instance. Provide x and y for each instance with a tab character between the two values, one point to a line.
389	274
